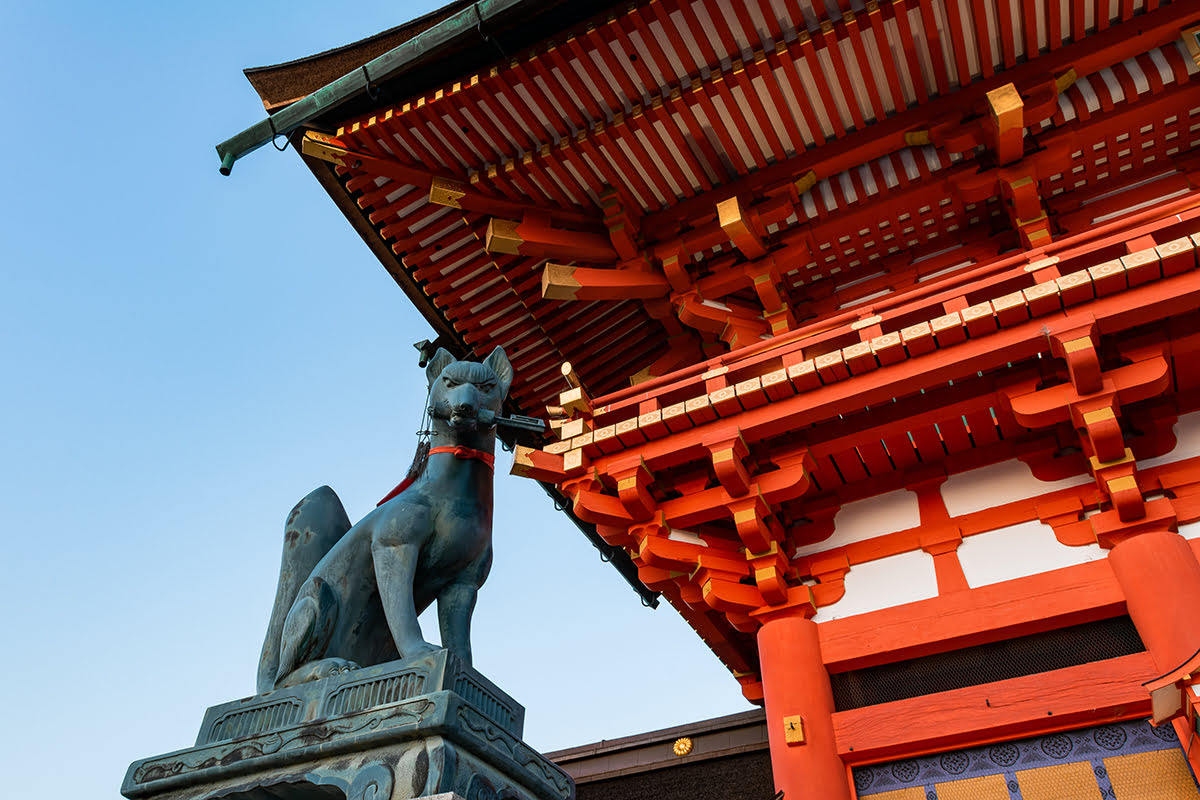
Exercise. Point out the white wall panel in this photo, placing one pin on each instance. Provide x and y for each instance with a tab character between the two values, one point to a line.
997	484
866	519
1028	548
1190	530
887	582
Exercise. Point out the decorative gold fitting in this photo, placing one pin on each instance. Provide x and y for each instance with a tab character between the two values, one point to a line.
1098	465
1066	80
793	730
1122	484
1098	415
806	182
446	192
502	237
1191	40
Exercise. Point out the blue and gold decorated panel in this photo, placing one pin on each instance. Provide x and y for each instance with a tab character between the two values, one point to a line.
1121	761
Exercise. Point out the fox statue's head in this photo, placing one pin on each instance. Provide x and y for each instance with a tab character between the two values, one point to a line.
468	395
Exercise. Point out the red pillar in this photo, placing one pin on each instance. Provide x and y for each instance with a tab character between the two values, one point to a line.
796	684
1160	576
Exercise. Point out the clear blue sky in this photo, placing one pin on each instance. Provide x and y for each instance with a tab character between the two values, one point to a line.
186	355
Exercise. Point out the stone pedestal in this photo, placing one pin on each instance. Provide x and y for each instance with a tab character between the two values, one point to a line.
421	728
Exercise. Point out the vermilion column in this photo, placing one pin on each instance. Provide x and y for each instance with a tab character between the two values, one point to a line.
1160	576
796	684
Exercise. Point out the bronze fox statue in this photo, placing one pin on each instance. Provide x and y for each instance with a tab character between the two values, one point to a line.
349	595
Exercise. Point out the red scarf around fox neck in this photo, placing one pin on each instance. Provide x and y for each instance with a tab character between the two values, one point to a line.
458	451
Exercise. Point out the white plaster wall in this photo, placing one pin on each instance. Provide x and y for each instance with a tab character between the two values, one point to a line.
995	485
686	536
884	583
1190	530
1187	441
868	518
1028	548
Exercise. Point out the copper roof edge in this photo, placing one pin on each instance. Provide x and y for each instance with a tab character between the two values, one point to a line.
716	724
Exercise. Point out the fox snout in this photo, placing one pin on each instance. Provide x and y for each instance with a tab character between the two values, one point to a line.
463	400
459	405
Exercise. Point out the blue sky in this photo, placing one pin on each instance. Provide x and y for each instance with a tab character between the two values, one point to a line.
186	355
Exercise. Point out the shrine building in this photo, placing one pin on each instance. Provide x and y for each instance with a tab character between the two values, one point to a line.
867	335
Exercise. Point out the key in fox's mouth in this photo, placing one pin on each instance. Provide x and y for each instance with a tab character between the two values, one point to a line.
478	419
463	421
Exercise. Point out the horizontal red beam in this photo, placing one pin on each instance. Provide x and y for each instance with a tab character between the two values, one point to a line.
1090	694
1159	299
1068	596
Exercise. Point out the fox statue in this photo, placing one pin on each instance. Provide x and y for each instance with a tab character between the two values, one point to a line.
349	595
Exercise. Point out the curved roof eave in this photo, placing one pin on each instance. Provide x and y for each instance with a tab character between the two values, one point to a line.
468	38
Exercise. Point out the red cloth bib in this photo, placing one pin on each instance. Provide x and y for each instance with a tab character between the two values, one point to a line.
459	452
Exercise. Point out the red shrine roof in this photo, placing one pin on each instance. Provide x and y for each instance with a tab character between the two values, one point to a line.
858	146
679	193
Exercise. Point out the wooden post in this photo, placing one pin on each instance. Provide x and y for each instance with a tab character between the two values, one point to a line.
1160	576
799	704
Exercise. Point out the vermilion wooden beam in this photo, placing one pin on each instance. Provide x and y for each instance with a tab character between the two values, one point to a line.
933	41
908	42
856	148
445	190
742	227
562	282
924	301
1102	691
1005	345
1021	607
1007	123
1137	381
535	238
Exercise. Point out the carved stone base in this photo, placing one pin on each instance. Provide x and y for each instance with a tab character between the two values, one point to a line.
411	729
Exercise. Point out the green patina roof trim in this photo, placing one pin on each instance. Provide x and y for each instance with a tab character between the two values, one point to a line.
471	21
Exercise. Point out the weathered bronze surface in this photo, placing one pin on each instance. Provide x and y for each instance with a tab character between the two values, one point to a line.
409	729
349	596
353	703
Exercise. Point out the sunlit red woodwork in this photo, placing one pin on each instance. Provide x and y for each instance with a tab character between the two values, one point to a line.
803	262
1008	377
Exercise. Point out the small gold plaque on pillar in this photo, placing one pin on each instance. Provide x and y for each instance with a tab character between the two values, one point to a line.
793	730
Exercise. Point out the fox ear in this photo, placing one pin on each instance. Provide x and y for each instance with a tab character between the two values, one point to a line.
499	363
441	359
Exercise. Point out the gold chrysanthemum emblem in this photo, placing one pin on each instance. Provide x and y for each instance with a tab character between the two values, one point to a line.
683	746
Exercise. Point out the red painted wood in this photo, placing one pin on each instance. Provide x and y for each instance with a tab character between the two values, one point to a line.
1090	694
1160	576
795	684
1068	596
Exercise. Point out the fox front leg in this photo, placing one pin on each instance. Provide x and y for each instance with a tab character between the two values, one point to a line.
456	604
395	570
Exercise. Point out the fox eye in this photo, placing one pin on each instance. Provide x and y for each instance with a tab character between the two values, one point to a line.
450	382
486	387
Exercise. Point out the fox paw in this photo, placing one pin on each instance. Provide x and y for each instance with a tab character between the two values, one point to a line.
315	671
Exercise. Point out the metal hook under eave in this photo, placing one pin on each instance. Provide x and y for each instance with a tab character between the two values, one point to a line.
487	37
372	91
